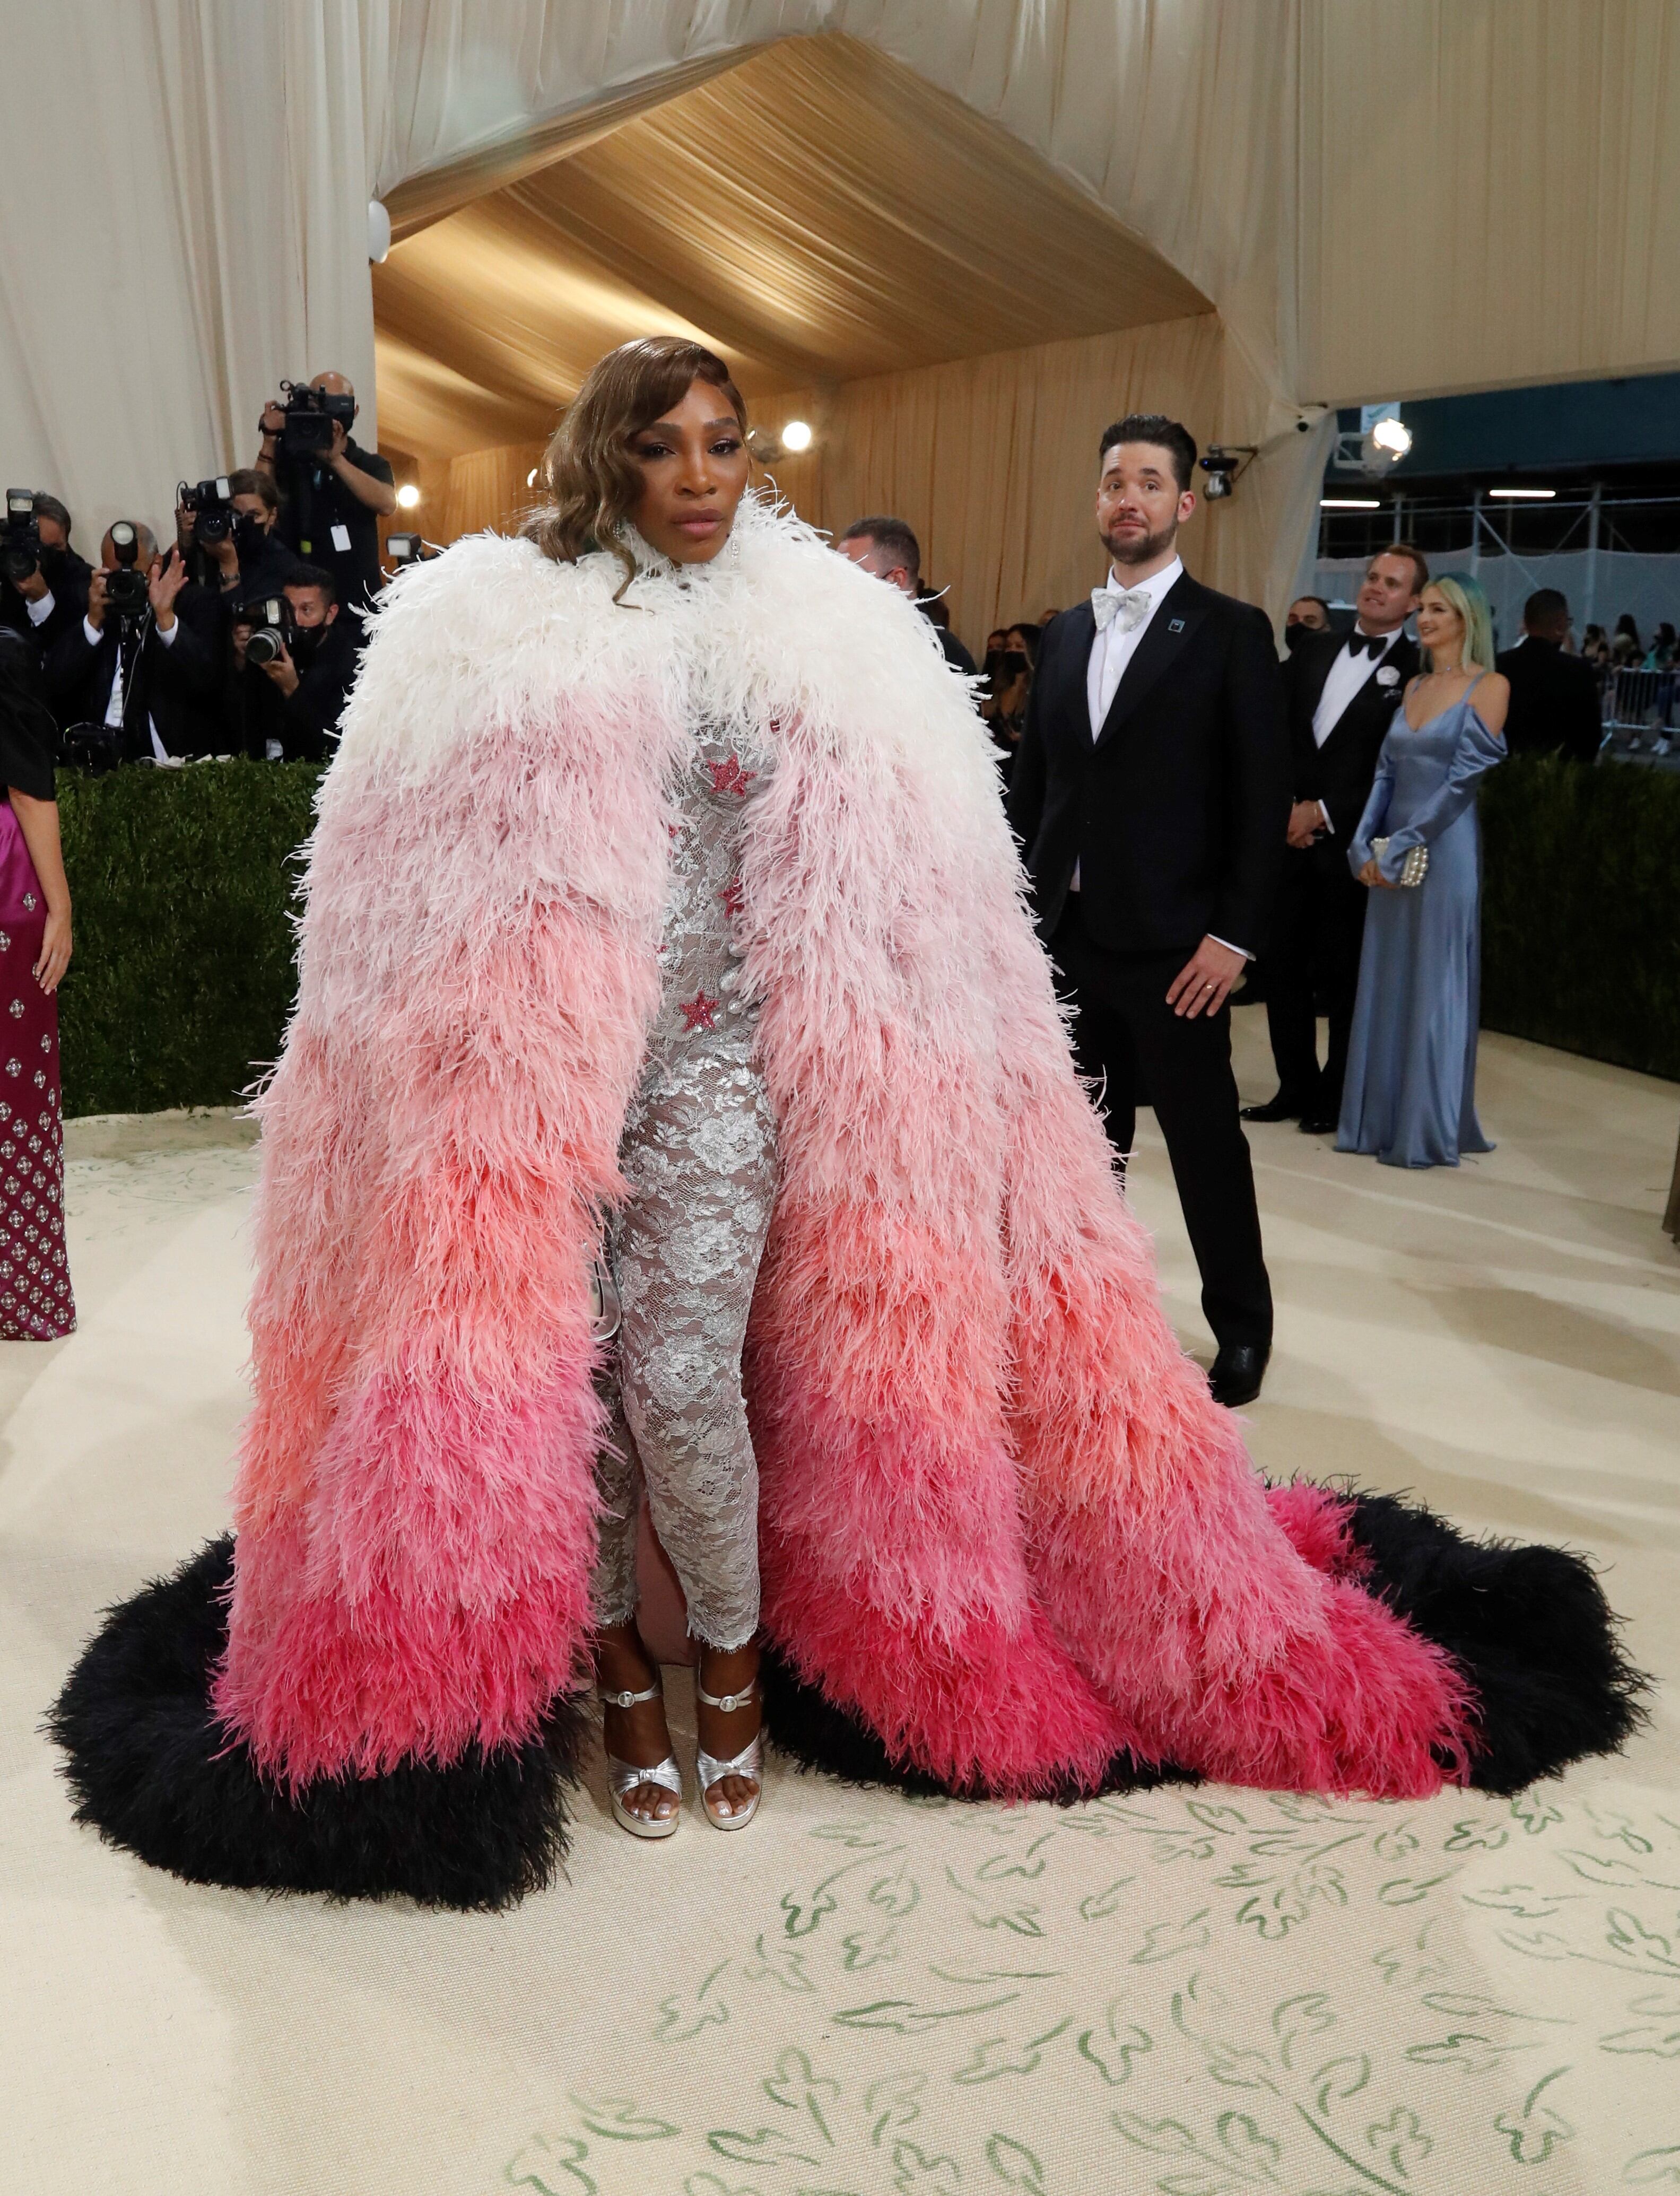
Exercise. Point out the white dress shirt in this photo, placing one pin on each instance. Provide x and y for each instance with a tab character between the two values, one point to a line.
1348	676
113	707
41	611
1112	651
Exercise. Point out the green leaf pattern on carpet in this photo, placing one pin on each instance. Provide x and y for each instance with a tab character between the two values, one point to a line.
1292	1997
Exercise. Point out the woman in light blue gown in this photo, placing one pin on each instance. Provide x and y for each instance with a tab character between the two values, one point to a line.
1409	1093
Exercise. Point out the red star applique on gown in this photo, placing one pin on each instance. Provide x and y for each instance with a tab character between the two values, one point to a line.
728	777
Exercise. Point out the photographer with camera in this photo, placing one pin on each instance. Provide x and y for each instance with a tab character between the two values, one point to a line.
133	679
239	535
45	582
294	662
335	491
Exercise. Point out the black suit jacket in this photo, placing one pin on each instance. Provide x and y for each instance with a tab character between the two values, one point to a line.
1176	814
1339	772
304	722
176	685
1554	703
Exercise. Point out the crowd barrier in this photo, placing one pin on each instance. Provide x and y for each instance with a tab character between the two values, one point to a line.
183	881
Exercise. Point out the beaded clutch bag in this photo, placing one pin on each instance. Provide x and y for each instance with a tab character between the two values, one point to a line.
1413	869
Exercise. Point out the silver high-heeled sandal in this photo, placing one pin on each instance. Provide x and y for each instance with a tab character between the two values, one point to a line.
624	1776
749	1762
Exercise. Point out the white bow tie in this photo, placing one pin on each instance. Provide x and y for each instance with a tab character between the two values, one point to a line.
1127	608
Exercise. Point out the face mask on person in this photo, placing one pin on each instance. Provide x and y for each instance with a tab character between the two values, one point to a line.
1292	634
249	533
1014	662
304	644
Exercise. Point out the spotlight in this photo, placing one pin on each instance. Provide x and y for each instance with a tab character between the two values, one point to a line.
1392	435
407	496
1223	466
796	436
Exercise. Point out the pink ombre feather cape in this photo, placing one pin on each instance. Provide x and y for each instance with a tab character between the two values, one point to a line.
1003	1526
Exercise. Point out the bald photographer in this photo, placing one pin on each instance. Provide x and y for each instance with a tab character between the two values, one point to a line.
333	492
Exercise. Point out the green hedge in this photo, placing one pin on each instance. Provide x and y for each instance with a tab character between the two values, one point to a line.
182	882
1580	920
181	885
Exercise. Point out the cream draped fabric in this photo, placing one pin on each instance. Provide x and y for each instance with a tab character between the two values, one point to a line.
183	222
1375	200
1490	193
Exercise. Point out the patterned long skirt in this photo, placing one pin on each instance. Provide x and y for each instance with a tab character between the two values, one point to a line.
35	1304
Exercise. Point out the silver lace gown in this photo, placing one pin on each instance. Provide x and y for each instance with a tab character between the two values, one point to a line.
699	1152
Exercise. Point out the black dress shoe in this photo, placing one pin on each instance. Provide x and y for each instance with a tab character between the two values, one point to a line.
1237	1372
1318	1124
1283	1108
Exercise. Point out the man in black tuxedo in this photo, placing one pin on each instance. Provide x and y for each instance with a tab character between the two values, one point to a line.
1342	695
148	676
1150	795
1555	706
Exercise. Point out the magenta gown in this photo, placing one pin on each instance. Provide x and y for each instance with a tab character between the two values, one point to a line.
35	1304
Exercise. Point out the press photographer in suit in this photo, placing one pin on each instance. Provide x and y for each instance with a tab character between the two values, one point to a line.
133	665
1341	694
45	582
288	692
1150	798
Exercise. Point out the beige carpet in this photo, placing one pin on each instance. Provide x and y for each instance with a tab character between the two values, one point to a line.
1215	1993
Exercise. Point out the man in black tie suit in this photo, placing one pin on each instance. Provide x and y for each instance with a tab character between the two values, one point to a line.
1341	695
1150	796
1554	708
147	675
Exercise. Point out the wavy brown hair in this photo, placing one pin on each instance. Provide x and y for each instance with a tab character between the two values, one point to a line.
591	477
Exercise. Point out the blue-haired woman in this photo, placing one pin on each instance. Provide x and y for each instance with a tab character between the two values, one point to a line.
1409	1093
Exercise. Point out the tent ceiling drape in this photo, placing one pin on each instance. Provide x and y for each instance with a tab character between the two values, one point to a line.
1374	200
772	211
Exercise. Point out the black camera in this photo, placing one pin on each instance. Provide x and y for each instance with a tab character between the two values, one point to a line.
125	589
271	618
311	414
212	501
21	543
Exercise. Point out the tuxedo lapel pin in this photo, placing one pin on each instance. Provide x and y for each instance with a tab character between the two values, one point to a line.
1175	624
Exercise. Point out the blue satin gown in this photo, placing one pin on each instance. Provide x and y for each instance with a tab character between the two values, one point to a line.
1409	1092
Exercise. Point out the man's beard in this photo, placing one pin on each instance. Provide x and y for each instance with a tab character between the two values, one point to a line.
1138	548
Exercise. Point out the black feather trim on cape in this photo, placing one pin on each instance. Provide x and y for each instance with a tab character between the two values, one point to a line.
153	1770
1529	1627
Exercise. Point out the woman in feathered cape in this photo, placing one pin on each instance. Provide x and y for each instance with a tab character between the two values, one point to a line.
1009	1546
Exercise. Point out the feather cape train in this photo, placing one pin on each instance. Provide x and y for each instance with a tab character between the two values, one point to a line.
1009	1544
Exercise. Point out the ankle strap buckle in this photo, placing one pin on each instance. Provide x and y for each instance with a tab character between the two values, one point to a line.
629	1700
727	1702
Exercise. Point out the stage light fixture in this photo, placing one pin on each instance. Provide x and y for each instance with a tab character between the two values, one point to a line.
407	496
1524	494
1350	503
1392	435
796	436
1224	464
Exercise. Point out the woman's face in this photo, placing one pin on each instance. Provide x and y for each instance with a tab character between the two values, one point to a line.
1440	629
695	466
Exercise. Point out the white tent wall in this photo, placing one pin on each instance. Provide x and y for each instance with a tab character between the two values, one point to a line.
1492	192
184	221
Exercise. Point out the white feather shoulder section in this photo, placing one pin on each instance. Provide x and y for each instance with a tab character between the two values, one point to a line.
477	640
